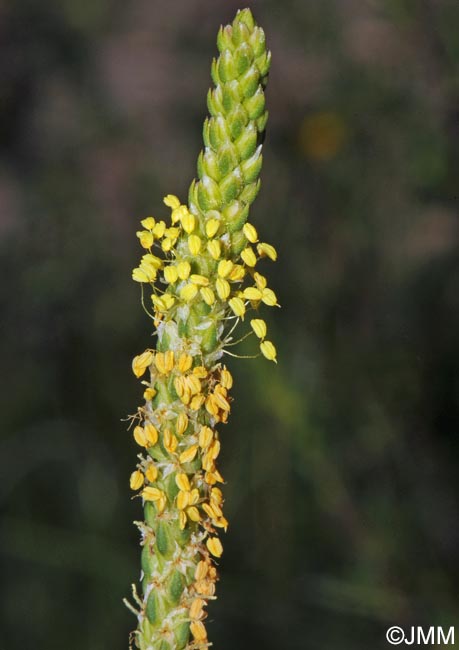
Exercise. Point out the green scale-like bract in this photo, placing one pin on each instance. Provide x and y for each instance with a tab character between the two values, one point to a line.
228	171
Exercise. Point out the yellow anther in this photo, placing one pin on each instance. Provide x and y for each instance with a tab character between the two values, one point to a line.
215	249
151	473
237	306
216	495
213	477
214	449
208	509
252	293
226	378
148	223
200	372
201	570
151	433
152	494
164	362
171	201
212	227
182	424
268	350
198	631
224	268
194	496
194	244
237	274
183	482
215	546
211	405
250	232
259	327
159	229
260	280
182	520
163	303
221	522
249	256
161	503
151	260
170	441
141	363
183	270
183	499
196	609
200	280
169	361
197	401
193	383
139	437
188	292
178	213
136	480
188	455
193	513
269	297
188	222
223	288
185	362
172	233
266	250
170	274
179	385
208	296
141	276
167	244
221	402
146	238
207	462
149	393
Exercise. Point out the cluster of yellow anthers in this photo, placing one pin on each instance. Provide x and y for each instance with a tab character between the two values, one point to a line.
189	385
186	396
191	451
219	289
201	267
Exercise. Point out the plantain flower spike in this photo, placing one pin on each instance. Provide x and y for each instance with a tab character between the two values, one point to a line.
199	264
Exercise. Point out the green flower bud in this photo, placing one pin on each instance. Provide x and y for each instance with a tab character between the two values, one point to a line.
209	197
247	142
243	58
224	41
226	68
252	166
245	16
227	158
250	81
255	105
241	33
257	41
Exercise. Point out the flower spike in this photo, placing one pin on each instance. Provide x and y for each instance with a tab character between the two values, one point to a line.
200	266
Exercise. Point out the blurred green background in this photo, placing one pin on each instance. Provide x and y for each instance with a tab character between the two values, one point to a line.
341	462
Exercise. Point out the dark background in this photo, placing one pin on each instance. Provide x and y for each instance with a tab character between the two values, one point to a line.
341	462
